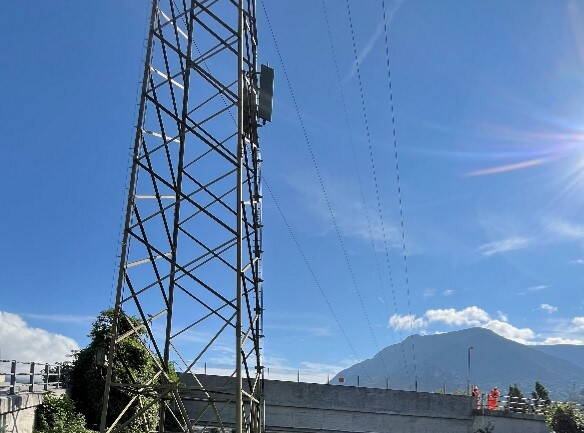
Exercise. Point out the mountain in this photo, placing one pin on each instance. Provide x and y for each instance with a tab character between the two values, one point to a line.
569	352
441	362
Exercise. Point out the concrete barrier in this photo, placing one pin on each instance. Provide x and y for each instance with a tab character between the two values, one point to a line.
17	412
310	408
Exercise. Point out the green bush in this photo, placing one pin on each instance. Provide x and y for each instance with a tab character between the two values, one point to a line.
132	364
57	414
565	418
489	428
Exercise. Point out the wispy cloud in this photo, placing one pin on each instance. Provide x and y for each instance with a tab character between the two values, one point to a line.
367	48
314	331
507	168
578	322
448	292
533	289
391	10
537	288
307	371
353	218
60	318
548	308
428	293
562	340
566	229
504	245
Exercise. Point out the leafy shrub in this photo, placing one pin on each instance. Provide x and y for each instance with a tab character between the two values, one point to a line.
565	418
57	414
133	363
489	428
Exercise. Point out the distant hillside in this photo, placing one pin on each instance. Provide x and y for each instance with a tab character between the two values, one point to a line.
569	352
441	361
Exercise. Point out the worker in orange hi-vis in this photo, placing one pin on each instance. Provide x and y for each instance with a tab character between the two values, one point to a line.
475	397
493	400
497	395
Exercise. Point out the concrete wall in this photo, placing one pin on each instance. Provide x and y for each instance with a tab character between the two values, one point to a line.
303	407
506	422
311	408
17	412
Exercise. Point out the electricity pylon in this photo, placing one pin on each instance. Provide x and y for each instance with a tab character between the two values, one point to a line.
191	250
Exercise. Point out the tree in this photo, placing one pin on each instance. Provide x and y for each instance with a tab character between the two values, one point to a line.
57	414
515	398
133	363
541	393
514	391
565	418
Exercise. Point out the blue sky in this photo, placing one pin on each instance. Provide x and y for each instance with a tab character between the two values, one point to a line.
488	103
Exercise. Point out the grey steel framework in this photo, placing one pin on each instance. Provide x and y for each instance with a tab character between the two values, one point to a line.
190	265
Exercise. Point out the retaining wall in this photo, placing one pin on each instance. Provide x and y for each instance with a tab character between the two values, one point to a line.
17	412
312	408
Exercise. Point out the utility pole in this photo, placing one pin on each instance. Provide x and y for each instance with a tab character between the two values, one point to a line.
468	385
191	251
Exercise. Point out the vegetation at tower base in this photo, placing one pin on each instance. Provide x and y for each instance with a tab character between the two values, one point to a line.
133	364
489	428
565	418
540	392
57	414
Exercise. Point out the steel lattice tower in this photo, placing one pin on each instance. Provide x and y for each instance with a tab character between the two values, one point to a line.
190	265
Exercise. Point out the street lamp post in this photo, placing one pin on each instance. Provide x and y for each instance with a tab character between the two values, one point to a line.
468	371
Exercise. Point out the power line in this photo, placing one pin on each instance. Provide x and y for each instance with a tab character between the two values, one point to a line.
372	161
355	166
398	180
310	268
319	176
349	127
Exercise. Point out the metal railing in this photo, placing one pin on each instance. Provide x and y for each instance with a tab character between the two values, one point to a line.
514	404
22	377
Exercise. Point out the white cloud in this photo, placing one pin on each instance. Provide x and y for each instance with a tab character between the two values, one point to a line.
475	316
504	329
448	292
548	308
470	316
406	321
562	340
577	262
578	322
504	245
24	343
